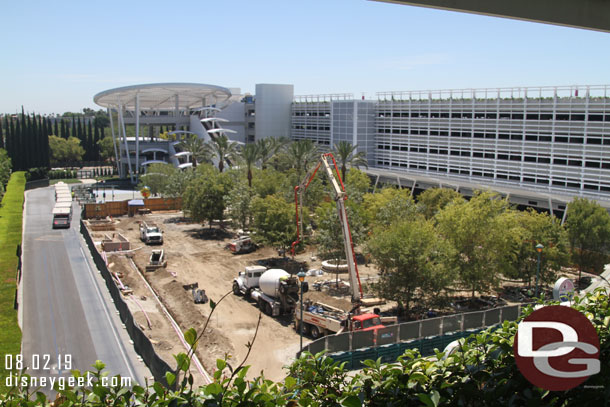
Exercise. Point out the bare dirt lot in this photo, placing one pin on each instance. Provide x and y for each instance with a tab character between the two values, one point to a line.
196	255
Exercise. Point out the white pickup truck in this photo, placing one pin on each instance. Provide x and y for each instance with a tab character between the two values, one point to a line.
150	234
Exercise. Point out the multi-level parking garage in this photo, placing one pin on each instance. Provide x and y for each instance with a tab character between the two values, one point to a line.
549	139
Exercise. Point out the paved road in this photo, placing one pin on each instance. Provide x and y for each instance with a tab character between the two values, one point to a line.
65	306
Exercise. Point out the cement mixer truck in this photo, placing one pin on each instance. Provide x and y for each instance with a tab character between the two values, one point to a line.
275	291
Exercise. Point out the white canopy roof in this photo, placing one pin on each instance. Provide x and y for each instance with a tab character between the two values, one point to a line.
163	96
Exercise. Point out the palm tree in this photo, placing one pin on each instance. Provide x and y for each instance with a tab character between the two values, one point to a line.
265	150
197	148
250	154
344	153
223	149
301	154
269	147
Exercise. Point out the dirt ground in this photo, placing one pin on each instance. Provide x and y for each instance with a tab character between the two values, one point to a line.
197	255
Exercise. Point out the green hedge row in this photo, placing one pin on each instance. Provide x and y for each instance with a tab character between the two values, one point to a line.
482	372
11	214
62	174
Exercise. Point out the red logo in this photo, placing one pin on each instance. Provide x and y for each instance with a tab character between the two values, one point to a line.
557	348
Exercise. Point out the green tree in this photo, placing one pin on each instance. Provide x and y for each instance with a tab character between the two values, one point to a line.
357	184
196	146
273	221
268	148
205	196
63	150
346	155
157	178
5	170
101	119
588	227
389	205
329	235
527	229
414	261
222	149
239	203
432	200
106	148
477	231
249	155
178	182
300	155
267	182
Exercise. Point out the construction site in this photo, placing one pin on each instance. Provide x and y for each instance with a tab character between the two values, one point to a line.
197	265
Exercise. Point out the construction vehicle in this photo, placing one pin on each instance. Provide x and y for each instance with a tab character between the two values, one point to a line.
275	291
242	244
157	260
320	319
150	234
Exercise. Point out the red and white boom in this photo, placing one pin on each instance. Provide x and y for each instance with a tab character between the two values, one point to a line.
339	198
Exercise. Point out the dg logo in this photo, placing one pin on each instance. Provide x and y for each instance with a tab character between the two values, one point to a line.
556	348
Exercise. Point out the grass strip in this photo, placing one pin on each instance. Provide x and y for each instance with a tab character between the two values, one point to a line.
11	216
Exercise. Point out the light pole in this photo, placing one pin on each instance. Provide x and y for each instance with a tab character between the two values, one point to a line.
301	276
539	248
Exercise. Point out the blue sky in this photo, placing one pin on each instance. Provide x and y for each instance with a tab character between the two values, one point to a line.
57	55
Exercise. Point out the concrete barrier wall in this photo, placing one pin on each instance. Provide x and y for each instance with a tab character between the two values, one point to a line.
144	348
39	183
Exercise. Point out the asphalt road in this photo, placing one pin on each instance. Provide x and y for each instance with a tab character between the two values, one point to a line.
67	315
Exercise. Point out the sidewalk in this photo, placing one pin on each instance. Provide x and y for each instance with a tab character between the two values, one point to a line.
599	282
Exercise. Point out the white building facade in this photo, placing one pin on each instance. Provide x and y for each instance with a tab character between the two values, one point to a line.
544	139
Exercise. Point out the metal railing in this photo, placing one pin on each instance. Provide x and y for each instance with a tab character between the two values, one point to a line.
421	330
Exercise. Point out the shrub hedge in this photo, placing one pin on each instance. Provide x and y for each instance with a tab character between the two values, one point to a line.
482	373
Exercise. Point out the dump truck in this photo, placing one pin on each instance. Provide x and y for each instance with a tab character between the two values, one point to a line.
321	319
275	291
150	234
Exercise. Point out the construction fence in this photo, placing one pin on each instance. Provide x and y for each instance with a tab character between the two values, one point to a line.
426	335
142	344
121	208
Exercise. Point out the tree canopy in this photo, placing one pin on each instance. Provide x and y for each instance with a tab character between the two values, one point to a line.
205	196
274	221
413	261
63	150
588	227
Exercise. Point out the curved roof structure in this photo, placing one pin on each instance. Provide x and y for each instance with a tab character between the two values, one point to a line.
163	96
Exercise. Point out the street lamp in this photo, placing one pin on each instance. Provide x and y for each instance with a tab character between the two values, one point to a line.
539	248
301	276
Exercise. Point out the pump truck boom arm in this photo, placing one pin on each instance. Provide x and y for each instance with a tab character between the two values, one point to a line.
339	197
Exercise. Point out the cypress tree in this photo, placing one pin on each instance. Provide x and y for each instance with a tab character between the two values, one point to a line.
32	143
90	146
64	132
56	130
42	134
73	129
10	134
1	135
96	146
16	159
7	133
